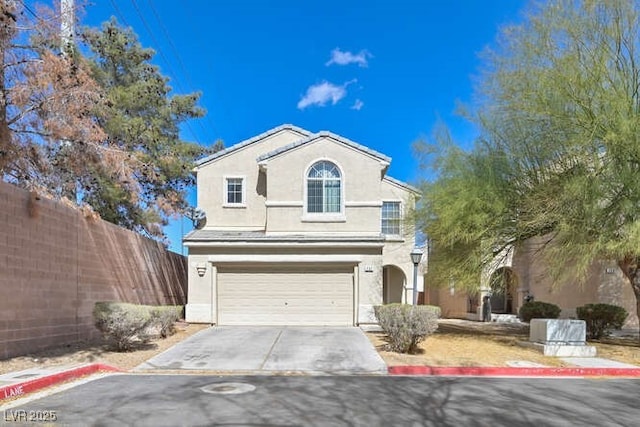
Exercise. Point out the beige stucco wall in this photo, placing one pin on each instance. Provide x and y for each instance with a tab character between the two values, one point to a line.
286	182
397	251
202	303
452	305
275	203
605	283
211	188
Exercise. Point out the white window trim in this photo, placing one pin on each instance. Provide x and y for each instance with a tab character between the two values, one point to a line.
395	237
225	189
283	204
324	216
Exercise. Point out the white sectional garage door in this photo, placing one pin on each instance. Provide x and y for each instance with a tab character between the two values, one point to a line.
279	295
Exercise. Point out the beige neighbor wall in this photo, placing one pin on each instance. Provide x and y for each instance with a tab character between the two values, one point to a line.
55	264
605	283
452	305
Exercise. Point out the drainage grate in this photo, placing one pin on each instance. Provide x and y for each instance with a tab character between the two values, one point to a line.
228	388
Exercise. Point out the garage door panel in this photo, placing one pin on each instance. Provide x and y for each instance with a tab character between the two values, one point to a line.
281	296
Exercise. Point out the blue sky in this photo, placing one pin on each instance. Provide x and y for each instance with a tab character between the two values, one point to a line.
381	73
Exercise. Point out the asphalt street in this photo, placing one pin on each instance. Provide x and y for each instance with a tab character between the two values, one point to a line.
196	400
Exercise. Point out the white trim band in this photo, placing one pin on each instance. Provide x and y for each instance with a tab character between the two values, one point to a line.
274	258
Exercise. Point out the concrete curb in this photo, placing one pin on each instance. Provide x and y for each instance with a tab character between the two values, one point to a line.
29	386
480	371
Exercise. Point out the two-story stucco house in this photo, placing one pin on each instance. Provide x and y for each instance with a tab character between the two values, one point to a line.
302	229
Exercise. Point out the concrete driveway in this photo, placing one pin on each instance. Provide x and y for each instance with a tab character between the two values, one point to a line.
311	350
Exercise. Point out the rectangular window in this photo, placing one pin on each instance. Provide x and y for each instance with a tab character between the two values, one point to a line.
314	196
235	191
332	196
391	218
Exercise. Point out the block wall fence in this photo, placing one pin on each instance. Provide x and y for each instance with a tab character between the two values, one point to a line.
55	263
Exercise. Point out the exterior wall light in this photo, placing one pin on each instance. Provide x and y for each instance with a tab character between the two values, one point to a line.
201	269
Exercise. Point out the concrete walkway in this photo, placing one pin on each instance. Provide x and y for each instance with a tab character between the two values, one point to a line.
312	350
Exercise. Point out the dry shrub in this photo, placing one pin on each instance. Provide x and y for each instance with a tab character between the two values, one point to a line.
123	323
165	317
407	325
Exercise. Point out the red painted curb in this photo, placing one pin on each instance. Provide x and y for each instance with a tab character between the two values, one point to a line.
513	371
29	386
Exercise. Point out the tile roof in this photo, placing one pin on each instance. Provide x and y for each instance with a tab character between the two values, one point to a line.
315	136
251	141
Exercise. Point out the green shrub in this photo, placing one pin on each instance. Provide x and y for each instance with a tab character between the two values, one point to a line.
164	318
436	310
407	325
601	318
538	310
123	323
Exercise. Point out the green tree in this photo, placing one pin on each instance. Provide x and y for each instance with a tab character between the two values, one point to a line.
142	117
558	152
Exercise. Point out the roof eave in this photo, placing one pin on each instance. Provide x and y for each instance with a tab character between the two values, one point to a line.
382	158
222	153
403	185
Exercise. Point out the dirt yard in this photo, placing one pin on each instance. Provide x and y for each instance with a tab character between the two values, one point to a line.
98	352
463	343
456	343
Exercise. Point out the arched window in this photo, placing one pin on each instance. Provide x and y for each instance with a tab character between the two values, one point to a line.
324	188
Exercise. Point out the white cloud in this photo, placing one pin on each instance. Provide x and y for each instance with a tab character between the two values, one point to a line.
357	105
345	58
322	93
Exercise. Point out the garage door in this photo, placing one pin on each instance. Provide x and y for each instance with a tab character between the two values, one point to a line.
296	295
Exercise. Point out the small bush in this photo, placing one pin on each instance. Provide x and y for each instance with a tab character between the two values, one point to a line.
538	310
407	325
601	318
123	323
164	318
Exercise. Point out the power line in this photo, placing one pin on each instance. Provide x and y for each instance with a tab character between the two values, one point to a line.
161	52
115	7
28	9
176	53
207	58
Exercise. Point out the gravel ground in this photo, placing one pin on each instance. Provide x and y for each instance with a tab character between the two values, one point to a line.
466	343
97	352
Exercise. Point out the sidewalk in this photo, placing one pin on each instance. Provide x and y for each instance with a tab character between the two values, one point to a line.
18	384
586	367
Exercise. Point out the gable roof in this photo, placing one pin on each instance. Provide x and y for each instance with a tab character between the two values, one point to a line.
402	184
307	138
246	142
313	137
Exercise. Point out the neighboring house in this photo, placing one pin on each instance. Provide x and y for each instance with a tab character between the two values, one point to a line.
302	229
522	273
